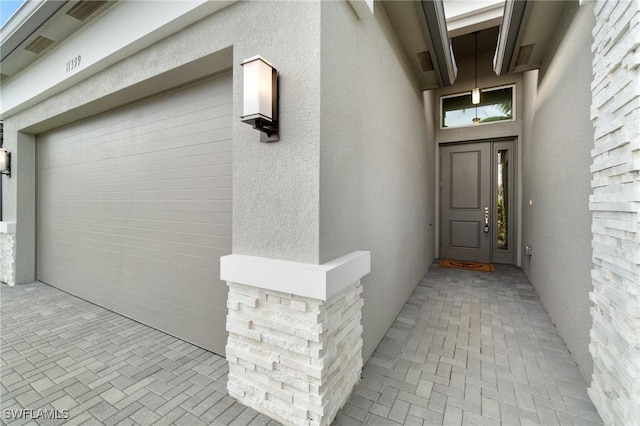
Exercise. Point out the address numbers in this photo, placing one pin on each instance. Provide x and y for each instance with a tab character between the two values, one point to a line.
74	63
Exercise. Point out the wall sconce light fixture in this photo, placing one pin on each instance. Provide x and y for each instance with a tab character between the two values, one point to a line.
5	162
261	97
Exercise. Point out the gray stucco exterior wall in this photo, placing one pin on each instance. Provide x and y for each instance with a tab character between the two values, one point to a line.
360	177
376	162
556	178
278	224
23	182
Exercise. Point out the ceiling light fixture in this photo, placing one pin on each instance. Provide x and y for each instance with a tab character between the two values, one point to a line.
475	93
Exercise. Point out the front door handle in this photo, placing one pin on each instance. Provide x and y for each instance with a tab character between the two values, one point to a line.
486	219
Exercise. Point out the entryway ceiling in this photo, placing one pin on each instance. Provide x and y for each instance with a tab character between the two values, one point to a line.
464	45
520	32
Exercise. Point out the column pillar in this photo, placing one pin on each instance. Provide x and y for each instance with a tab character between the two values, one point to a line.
295	335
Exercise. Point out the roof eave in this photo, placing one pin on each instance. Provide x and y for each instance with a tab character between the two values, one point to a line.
24	22
514	11
437	27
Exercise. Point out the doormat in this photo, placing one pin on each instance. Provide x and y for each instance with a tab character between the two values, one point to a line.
464	264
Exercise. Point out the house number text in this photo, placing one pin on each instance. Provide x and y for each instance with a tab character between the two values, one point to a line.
73	63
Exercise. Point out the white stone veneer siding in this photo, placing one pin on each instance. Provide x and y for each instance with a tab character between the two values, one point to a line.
7	253
615	203
294	358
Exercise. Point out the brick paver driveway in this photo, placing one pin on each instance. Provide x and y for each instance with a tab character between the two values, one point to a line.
469	348
63	353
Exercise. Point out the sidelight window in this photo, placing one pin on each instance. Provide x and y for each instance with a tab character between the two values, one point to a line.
502	199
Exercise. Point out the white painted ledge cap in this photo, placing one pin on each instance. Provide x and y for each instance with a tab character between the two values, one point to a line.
302	279
7	227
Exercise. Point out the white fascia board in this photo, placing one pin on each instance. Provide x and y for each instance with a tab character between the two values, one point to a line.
26	20
456	10
7	227
20	17
301	279
440	45
477	20
363	8
510	29
119	32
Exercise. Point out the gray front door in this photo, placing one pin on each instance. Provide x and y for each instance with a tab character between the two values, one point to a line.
477	202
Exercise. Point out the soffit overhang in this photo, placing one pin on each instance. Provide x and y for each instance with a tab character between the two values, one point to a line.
421	29
38	27
526	34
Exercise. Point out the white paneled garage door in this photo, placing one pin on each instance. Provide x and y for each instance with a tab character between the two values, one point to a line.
134	210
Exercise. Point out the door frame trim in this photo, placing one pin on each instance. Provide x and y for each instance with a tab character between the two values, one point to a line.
517	189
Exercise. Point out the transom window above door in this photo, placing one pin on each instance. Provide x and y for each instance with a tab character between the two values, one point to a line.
496	104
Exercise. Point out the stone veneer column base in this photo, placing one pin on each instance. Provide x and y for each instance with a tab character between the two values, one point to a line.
7	252
294	355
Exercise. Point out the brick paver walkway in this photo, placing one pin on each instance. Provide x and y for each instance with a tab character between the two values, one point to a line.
467	349
471	348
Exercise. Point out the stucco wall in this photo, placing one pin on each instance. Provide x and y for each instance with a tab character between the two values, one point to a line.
376	162
23	182
556	178
279	224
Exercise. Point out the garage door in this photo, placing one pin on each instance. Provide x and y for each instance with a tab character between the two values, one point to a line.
134	210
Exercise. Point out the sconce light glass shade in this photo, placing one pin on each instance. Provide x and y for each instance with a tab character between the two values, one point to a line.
475	96
260	107
5	162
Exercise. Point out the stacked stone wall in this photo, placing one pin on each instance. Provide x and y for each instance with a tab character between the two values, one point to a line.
7	262
615	206
293	358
